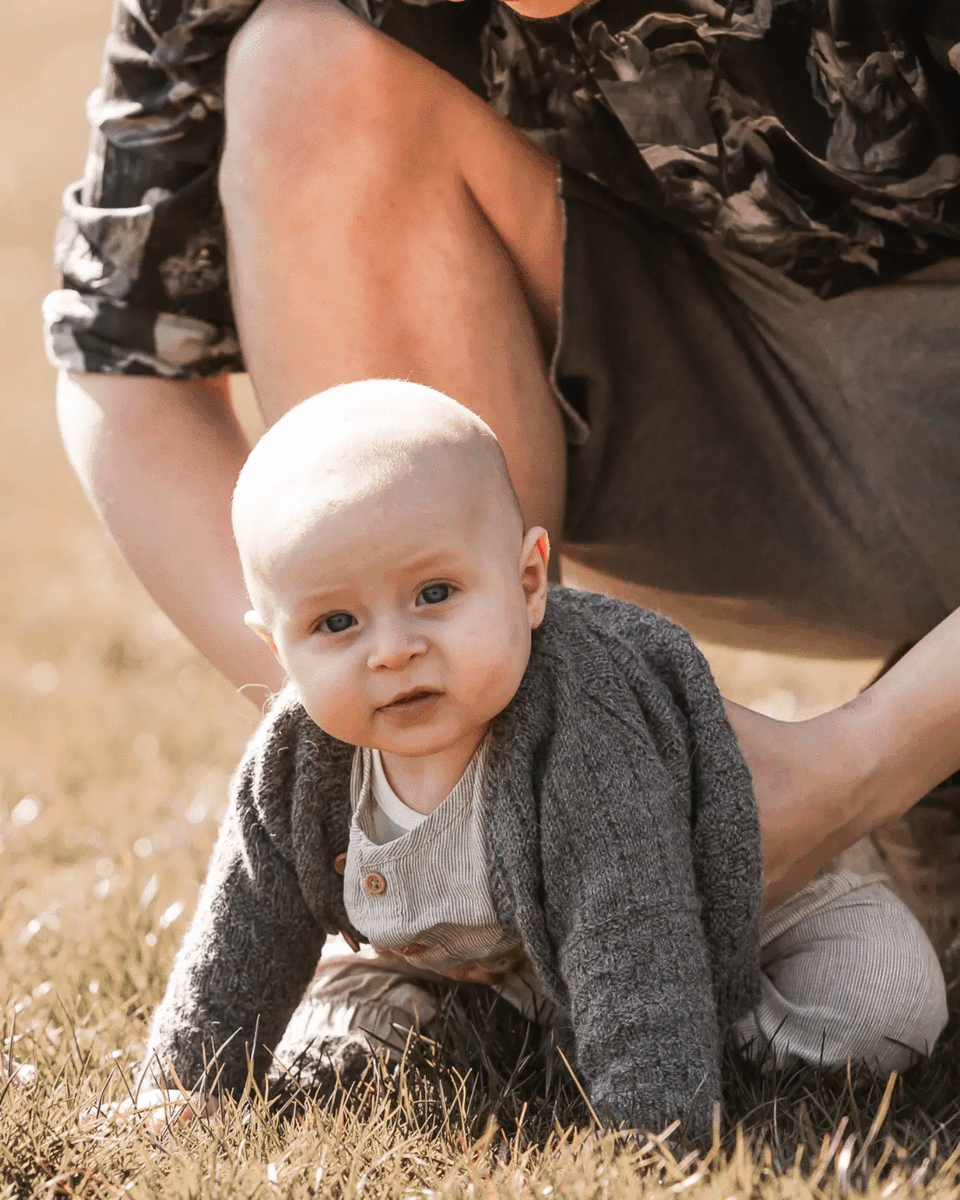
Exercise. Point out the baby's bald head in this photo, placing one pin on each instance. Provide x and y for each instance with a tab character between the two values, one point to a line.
364	445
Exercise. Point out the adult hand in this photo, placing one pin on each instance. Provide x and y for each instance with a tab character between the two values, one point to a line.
813	786
823	783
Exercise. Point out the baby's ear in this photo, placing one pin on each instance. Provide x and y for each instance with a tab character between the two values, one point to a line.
253	621
534	556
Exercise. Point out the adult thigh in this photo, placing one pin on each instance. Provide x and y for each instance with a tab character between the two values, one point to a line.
313	90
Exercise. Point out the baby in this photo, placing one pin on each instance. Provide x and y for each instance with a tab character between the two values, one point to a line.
495	781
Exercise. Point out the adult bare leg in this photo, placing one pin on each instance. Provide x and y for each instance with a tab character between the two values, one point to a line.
388	224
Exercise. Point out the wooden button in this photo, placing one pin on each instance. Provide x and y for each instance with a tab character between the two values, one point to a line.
350	940
340	864
375	884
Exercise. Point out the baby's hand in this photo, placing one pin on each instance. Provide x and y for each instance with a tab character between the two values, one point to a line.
16	1073
157	1109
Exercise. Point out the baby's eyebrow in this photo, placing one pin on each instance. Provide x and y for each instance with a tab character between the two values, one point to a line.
442	561
434	559
320	597
450	551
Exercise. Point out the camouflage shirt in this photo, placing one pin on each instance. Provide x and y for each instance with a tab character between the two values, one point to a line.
820	136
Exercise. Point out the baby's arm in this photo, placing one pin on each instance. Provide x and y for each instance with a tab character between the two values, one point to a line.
248	955
633	956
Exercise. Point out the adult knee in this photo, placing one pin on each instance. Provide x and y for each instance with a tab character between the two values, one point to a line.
304	94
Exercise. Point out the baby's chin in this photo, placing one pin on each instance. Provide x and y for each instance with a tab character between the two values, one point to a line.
428	747
541	8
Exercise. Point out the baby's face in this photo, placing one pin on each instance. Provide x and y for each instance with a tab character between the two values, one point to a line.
404	619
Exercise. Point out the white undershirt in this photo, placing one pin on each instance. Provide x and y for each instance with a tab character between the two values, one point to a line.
390	818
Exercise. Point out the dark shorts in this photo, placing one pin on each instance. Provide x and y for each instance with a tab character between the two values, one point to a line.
737	440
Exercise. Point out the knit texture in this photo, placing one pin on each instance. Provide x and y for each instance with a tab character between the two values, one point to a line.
623	847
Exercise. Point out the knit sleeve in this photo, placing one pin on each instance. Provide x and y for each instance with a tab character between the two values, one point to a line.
631	949
251	949
141	243
671	681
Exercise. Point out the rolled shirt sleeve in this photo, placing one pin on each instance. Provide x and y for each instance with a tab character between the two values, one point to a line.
141	244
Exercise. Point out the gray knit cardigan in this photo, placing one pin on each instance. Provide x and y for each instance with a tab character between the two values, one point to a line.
623	849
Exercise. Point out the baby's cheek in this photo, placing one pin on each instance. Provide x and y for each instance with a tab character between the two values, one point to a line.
336	705
499	677
350	722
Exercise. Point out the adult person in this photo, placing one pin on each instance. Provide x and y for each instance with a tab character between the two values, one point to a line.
717	342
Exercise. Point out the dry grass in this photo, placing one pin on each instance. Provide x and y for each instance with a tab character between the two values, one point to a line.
115	747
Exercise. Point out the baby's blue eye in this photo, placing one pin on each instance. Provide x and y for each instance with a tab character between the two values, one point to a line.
337	622
434	593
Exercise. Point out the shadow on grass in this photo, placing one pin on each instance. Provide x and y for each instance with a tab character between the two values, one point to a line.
485	1067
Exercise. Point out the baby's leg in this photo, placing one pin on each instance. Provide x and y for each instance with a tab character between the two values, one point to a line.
356	1009
847	973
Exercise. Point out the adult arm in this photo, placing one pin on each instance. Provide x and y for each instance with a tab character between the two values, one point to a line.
823	783
143	329
158	459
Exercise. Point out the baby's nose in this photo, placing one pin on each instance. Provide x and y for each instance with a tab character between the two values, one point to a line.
394	645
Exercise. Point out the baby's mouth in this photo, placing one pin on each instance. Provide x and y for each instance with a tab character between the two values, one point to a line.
409	701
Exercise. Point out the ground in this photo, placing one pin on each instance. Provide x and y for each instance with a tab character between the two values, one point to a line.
116	743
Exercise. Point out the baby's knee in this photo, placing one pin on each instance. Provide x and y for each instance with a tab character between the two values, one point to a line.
902	1009
867	987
